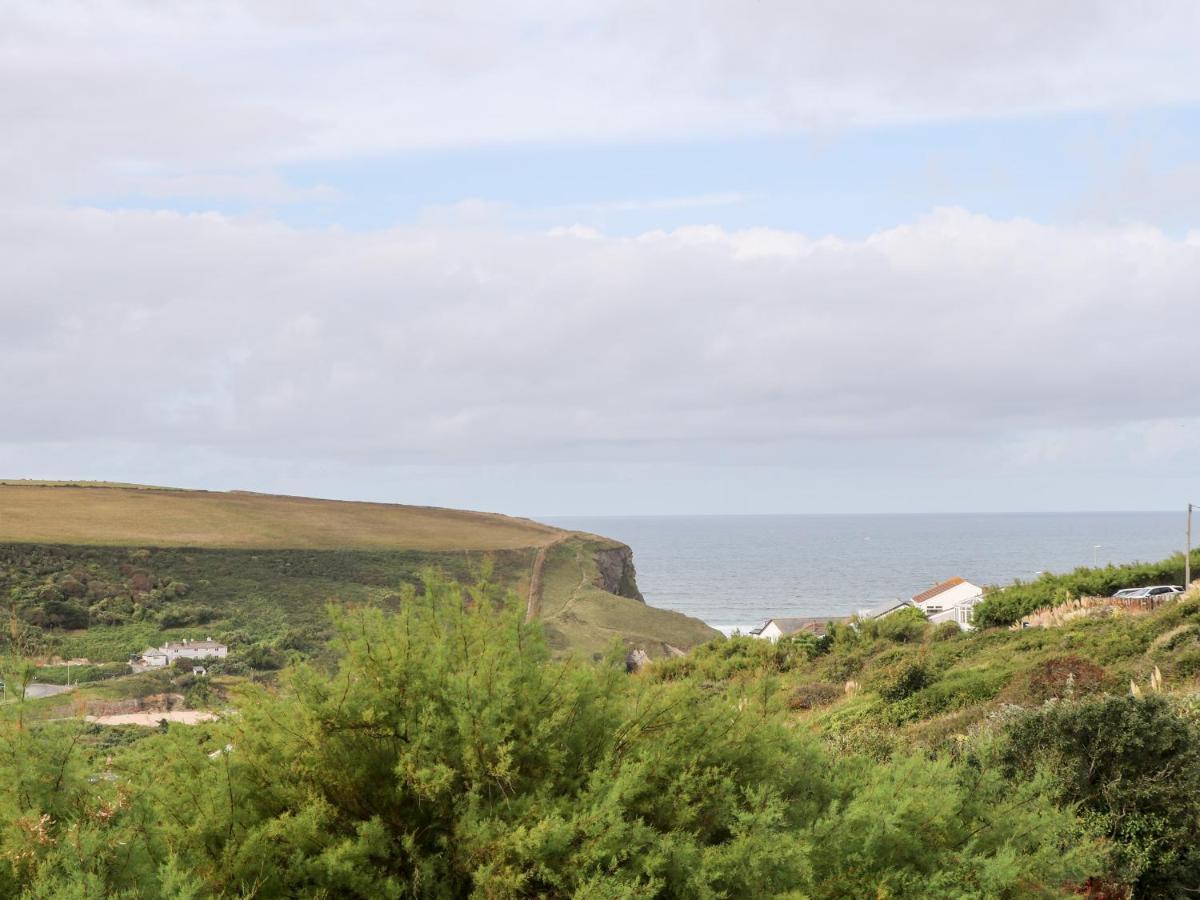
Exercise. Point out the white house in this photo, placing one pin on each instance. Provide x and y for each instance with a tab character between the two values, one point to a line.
774	629
154	658
950	601
185	649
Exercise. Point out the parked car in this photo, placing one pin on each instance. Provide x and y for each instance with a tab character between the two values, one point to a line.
1159	592
1130	592
1166	589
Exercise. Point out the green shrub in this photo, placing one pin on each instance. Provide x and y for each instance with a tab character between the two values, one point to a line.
179	616
722	660
1187	665
902	627
1133	766
263	657
902	681
957	689
946	631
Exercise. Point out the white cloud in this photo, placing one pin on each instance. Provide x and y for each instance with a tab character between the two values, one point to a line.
468	344
101	86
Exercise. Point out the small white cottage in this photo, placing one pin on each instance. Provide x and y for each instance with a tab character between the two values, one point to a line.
950	601
774	629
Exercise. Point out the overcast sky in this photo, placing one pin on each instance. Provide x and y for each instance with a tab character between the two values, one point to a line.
555	258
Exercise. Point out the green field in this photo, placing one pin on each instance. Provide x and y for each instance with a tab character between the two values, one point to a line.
78	514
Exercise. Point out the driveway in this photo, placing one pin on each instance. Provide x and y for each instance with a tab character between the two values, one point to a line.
36	691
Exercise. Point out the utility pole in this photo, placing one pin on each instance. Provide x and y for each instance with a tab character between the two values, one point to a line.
1187	554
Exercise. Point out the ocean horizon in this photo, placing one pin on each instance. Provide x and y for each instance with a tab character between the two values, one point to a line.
733	571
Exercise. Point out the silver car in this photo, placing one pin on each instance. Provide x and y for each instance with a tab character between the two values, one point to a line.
1158	592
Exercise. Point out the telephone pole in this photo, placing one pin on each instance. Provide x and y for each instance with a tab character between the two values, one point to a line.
1187	554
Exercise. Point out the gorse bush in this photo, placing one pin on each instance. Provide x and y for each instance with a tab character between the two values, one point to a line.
449	756
903	626
742	656
903	680
1133	767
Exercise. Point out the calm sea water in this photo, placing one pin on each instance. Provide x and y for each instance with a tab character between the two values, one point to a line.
737	570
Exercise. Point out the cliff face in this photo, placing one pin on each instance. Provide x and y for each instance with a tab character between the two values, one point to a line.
590	598
617	574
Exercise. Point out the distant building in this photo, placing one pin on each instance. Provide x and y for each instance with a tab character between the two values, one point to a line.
774	629
885	609
950	601
156	657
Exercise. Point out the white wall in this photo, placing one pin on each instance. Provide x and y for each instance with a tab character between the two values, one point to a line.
959	594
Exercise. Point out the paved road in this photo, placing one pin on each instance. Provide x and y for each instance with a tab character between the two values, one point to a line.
34	691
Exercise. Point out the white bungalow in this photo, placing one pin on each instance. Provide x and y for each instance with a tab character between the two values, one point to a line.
154	657
774	629
950	601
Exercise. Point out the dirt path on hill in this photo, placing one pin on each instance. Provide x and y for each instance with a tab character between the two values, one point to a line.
533	606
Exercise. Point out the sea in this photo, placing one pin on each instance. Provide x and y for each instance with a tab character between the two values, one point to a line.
734	571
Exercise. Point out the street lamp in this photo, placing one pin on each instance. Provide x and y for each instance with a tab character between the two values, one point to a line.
1096	554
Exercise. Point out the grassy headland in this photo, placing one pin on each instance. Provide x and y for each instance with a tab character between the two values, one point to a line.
108	515
101	571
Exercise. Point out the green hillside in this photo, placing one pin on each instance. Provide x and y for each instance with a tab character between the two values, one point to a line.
101	571
443	751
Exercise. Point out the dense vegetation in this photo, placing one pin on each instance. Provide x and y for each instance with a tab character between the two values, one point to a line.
448	755
445	752
1004	607
401	733
106	603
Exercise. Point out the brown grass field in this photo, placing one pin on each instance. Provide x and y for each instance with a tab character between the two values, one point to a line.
127	515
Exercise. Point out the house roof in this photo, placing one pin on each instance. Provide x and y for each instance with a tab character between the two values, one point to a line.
793	624
938	589
884	608
193	645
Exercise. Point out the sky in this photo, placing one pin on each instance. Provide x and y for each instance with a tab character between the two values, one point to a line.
606	258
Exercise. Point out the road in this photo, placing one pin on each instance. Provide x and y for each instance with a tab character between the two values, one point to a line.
35	691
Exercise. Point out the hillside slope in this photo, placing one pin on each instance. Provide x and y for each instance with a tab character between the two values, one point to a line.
160	517
900	683
104	569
